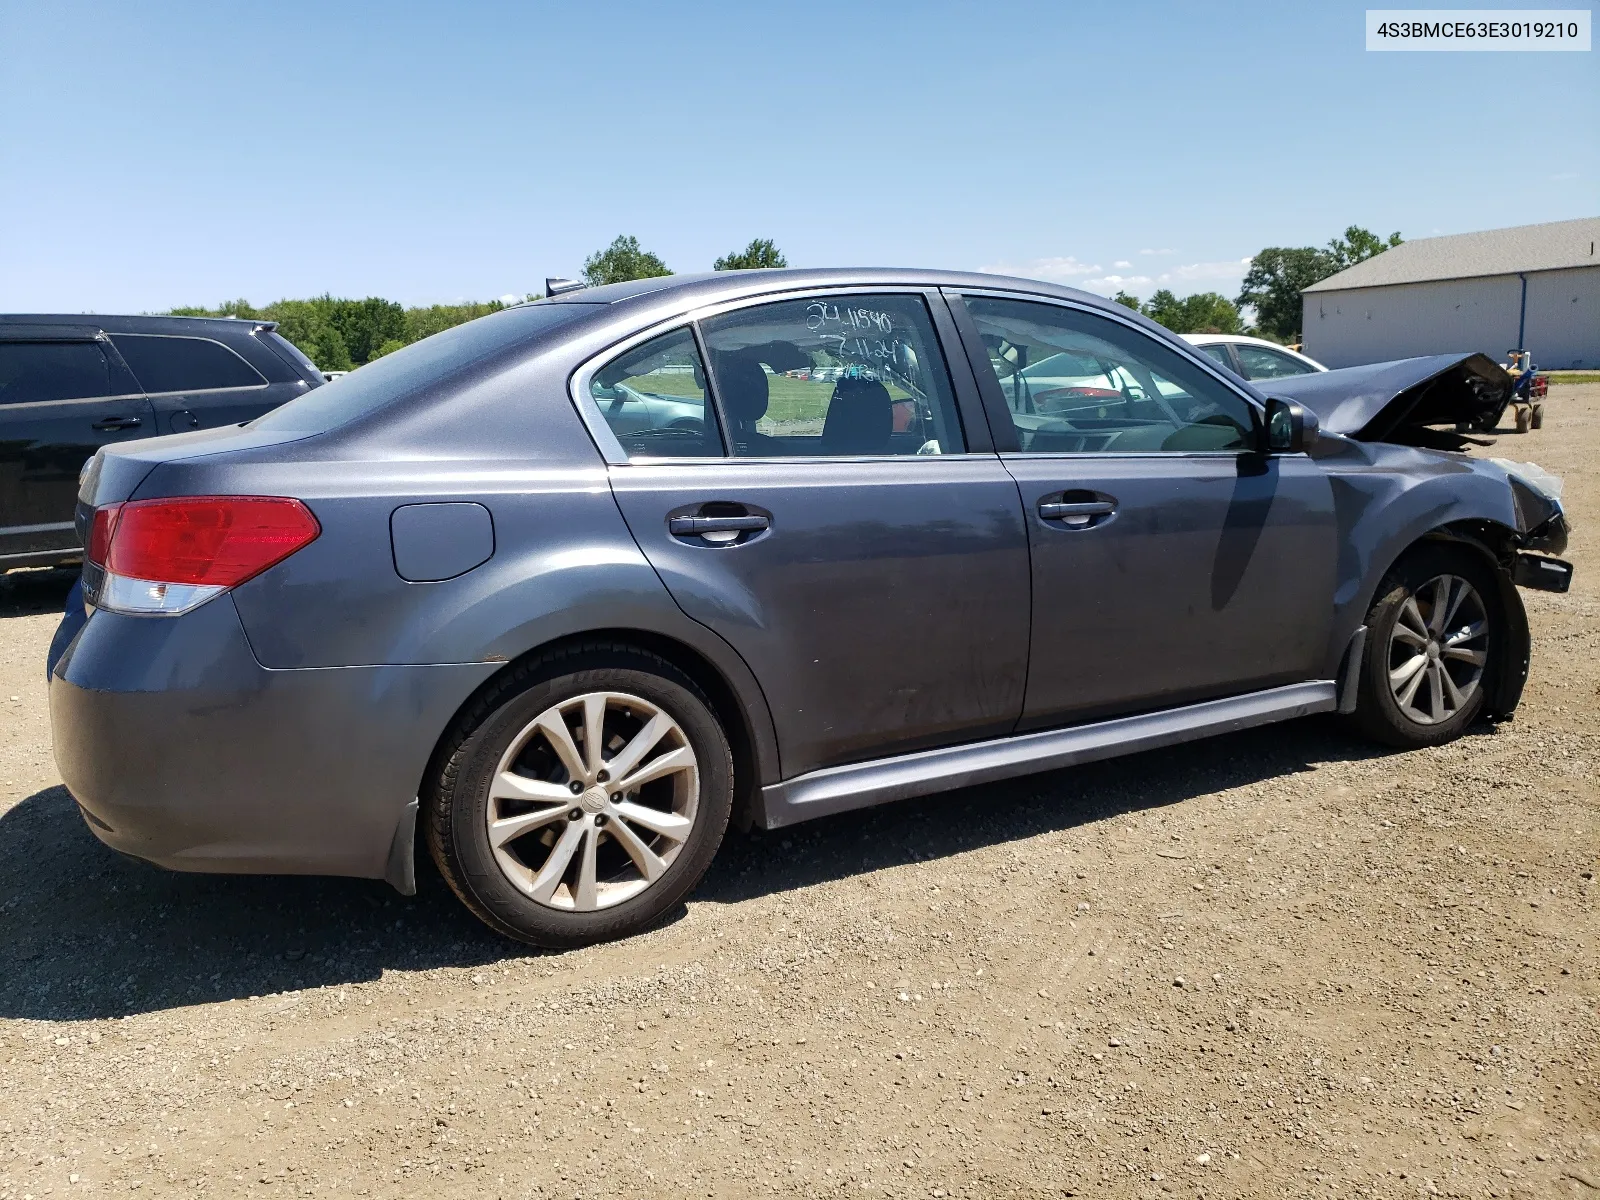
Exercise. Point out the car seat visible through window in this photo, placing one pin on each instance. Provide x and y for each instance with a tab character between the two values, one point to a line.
860	418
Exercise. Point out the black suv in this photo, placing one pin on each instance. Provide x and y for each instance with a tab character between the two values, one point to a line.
71	384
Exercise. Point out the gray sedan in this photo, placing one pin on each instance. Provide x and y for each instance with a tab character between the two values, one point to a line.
562	593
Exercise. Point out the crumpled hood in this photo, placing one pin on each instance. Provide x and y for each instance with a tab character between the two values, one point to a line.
1397	401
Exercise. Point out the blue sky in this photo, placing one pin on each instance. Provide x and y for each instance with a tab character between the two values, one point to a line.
157	154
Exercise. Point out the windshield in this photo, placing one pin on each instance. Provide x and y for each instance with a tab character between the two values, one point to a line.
420	365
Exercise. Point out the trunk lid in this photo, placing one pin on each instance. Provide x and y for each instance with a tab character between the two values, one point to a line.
116	471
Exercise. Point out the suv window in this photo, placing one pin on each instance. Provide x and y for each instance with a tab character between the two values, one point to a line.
183	364
34	371
1260	363
1078	383
654	399
839	376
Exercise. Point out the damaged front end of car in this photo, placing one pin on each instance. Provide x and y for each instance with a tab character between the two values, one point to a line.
1437	403
1434	403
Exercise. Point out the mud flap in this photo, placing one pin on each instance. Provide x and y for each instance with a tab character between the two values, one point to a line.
401	872
1350	671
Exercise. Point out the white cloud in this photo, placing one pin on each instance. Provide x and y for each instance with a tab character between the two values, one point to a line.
1053	270
1185	278
1107	284
1205	272
511	298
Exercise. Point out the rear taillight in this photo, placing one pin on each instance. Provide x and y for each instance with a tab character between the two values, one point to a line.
105	524
164	557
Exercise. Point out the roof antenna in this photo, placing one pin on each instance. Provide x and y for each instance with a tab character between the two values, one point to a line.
555	287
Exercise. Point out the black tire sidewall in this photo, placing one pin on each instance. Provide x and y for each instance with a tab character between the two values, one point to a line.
1377	711
471	865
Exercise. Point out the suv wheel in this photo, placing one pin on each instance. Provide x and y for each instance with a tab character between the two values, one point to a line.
581	798
1434	630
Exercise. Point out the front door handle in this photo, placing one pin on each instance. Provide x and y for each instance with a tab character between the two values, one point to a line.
112	424
1076	512
685	526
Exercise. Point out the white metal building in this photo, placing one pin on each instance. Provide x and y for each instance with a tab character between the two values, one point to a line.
1532	286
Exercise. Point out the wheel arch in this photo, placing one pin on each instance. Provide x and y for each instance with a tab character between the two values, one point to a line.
744	717
1494	542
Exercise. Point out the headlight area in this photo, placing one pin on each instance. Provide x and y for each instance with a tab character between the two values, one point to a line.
166	557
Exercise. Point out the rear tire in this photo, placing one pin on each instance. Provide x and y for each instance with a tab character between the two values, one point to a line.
1524	420
1538	416
559	843
1435	637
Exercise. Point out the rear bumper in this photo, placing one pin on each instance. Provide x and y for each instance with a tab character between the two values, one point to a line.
183	750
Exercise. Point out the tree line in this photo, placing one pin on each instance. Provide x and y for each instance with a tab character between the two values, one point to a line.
339	334
1271	288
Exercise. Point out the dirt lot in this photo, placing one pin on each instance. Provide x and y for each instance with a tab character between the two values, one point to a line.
1281	963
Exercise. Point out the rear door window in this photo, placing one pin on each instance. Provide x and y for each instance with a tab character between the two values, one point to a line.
31	372
1261	363
838	376
184	364
1218	351
654	399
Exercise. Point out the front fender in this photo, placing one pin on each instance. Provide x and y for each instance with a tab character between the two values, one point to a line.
1386	499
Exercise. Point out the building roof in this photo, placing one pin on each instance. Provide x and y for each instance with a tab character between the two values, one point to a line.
1549	247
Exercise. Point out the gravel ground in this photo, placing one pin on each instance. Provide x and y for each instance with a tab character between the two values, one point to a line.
1277	963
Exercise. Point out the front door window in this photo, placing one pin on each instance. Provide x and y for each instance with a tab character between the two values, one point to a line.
1078	383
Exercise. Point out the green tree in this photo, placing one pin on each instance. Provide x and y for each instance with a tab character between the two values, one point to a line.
1127	301
364	325
1358	245
436	318
1279	274
621	261
1163	306
228	308
1203	312
339	334
759	254
1274	282
326	348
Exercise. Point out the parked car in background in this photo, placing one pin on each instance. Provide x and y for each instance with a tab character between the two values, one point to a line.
72	384
1253	358
560	587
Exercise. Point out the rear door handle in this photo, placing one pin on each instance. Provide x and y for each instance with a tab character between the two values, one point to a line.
1083	510
112	424
690	526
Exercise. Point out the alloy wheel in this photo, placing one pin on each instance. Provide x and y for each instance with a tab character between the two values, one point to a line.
1438	649
592	801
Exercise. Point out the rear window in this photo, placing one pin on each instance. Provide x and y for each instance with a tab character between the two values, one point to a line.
31	372
419	366
183	364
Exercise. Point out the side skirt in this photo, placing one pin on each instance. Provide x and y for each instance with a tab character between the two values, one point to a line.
861	785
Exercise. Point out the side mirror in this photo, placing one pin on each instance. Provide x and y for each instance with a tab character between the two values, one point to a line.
1291	428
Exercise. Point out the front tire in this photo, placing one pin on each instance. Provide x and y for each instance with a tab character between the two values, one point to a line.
1435	636
581	797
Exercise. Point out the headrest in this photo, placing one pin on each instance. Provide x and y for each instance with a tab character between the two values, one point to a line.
860	418
742	388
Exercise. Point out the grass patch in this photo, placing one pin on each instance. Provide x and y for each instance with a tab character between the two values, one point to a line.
787	399
1572	376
